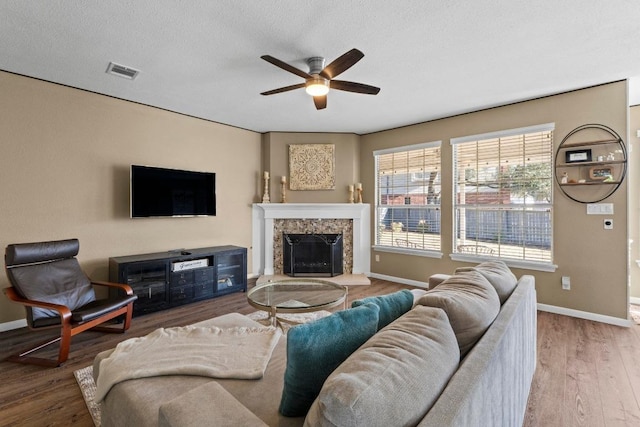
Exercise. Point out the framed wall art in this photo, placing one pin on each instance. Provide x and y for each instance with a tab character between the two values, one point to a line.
312	167
575	156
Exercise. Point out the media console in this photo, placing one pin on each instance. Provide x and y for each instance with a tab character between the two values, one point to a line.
168	279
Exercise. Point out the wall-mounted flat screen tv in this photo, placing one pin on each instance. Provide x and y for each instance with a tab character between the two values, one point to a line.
160	192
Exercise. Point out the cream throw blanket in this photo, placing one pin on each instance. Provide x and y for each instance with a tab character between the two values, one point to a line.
238	352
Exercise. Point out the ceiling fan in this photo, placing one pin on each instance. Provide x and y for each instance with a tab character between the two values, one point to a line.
320	79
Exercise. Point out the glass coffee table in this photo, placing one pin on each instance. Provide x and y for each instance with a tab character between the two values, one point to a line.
296	296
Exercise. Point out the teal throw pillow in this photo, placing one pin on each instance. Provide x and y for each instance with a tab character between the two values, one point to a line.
316	349
391	306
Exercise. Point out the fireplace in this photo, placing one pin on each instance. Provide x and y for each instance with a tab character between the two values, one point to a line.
266	241
312	254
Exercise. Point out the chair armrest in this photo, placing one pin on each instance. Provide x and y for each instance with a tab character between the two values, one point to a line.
126	288
65	313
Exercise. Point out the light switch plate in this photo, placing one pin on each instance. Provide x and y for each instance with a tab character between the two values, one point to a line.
608	224
600	209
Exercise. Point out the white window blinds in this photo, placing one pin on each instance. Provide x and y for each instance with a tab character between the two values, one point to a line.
503	203
408	197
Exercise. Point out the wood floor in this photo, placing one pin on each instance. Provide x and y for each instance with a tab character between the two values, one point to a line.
588	373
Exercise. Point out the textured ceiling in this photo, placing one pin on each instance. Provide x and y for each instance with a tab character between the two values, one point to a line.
430	58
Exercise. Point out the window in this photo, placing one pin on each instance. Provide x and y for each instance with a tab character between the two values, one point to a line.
502	186
408	197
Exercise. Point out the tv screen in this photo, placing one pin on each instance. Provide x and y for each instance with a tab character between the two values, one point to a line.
159	192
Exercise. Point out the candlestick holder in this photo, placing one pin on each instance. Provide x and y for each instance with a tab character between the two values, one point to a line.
284	192
359	195
350	194
265	197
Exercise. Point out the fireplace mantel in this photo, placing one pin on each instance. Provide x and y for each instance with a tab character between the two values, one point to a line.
263	215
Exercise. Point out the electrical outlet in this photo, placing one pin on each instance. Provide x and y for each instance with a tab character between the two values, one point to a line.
377	258
608	224
566	283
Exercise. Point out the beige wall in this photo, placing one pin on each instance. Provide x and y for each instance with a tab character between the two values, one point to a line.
64	172
634	201
595	259
276	161
65	157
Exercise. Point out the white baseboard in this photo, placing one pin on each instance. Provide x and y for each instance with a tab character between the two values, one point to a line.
585	315
634	300
15	324
400	280
542	307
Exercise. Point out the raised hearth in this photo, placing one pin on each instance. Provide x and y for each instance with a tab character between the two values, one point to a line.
357	253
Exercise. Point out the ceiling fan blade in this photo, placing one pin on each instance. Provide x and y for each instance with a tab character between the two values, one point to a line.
320	101
283	89
354	87
285	66
342	64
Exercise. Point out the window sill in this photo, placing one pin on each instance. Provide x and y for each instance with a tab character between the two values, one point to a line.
525	265
408	251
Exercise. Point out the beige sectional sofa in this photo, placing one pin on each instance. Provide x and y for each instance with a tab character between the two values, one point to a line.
408	373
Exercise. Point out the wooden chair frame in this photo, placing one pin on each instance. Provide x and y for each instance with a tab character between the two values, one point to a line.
67	328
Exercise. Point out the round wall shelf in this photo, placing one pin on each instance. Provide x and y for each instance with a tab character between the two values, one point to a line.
591	163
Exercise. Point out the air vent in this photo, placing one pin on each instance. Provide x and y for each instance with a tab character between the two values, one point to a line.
122	71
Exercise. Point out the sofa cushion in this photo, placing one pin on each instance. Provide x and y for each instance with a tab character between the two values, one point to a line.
471	304
498	274
315	349
394	378
417	294
191	409
391	305
436	279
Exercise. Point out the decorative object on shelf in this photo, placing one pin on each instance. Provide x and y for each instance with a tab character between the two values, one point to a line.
578	156
351	193
265	197
283	181
595	156
359	192
601	172
312	167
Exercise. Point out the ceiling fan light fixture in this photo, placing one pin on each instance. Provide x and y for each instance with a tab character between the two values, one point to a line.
320	79
317	86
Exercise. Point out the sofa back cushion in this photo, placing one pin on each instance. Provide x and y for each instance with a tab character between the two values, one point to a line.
394	378
498	275
471	304
315	349
391	305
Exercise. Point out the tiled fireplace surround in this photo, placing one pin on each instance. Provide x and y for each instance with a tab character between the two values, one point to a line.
270	220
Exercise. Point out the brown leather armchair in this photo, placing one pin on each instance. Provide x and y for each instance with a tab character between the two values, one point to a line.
48	281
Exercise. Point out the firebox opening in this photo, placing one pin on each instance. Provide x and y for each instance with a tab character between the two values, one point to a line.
312	254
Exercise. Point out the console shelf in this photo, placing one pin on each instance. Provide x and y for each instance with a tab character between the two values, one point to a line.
168	279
